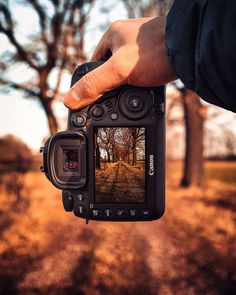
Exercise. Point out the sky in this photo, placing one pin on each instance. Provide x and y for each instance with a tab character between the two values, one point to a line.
25	117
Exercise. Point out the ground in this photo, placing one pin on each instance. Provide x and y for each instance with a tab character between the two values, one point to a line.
191	250
120	182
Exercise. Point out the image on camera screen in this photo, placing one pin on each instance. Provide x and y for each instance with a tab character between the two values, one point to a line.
119	161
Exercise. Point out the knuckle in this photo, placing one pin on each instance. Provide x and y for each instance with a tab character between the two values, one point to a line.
115	25
117	33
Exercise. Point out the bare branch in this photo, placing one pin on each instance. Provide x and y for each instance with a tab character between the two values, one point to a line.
42	18
24	88
9	33
7	15
60	38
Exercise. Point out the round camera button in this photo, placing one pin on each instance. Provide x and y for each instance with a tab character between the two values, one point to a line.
135	102
120	212
79	119
97	111
132	212
114	116
80	197
146	213
95	212
107	212
81	210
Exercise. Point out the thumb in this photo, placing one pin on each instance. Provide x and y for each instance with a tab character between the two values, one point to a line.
94	84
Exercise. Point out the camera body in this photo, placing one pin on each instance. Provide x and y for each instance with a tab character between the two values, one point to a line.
110	162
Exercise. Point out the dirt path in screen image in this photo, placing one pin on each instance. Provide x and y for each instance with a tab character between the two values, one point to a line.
120	182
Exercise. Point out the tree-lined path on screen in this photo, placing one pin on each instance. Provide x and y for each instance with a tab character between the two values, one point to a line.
120	182
45	250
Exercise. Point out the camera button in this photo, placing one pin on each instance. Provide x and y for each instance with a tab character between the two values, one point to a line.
95	212
120	212
145	213
79	120
97	111
114	116
107	212
109	104
81	210
132	212
135	102
80	197
67	200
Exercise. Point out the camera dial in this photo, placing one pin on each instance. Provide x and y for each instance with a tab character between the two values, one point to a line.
134	103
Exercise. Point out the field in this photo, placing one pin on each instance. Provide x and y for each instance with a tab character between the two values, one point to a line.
191	250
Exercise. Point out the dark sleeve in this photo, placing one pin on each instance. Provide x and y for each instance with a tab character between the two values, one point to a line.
201	45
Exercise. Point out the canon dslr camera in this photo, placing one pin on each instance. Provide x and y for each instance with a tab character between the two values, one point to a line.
110	162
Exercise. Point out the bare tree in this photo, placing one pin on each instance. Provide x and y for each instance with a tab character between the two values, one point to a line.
137	136
230	143
97	150
141	8
59	45
106	141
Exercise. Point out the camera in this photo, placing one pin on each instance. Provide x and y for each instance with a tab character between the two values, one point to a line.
110	162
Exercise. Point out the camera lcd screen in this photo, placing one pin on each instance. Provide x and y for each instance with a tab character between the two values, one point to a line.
119	163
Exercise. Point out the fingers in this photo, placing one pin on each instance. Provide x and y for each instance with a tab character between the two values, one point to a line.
94	84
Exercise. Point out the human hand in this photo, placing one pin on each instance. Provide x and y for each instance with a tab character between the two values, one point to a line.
135	54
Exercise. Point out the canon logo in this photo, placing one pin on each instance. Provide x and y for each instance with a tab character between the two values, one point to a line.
151	165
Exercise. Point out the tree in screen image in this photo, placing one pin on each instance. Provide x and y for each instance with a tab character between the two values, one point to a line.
119	164
119	144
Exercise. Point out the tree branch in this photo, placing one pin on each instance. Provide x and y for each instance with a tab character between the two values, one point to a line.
42	18
28	91
9	33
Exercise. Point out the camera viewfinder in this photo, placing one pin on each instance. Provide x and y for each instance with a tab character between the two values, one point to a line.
71	159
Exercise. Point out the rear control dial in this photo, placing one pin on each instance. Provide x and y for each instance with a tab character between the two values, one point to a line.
135	103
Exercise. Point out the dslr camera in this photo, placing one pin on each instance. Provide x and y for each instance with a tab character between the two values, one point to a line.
110	162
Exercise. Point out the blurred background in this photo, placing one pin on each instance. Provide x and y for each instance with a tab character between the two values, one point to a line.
43	249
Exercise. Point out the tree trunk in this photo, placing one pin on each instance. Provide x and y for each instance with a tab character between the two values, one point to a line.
108	157
113	155
52	122
193	163
134	154
97	151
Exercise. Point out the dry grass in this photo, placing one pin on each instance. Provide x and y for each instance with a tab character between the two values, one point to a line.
191	250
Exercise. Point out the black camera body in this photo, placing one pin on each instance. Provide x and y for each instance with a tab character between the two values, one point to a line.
110	162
